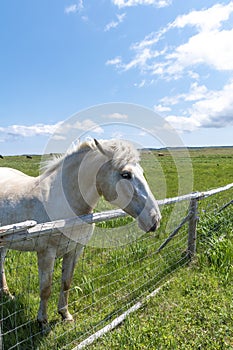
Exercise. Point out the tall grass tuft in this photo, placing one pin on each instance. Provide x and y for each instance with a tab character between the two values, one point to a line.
216	243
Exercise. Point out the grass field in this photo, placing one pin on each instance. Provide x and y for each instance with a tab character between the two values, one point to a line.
194	311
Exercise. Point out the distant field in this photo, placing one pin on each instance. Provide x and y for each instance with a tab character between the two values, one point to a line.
212	167
193	312
28	166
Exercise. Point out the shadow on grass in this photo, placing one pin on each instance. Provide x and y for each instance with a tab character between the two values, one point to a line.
19	331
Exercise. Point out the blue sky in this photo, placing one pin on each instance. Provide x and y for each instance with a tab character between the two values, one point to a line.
59	57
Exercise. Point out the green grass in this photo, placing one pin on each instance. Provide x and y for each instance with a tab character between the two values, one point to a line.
194	311
28	166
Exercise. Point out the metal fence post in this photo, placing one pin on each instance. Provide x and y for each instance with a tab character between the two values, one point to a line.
192	228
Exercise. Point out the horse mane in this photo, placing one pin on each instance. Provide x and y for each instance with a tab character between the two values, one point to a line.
120	152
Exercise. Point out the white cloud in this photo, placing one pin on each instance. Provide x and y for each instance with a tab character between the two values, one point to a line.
58	130
114	24
85	18
182	124
129	3
141	60
117	135
207	19
208	48
87	125
160	108
209	45
71	9
196	92
203	40
77	7
116	116
141	84
193	75
58	137
17	131
114	62
212	109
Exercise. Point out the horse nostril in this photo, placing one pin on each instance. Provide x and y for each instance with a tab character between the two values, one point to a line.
153	228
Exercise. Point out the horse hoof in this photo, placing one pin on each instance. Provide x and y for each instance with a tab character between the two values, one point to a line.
6	293
66	316
10	296
45	328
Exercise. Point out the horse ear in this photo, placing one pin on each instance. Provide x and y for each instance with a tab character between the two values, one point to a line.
100	148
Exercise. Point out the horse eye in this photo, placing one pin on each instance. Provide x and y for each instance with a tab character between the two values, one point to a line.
126	175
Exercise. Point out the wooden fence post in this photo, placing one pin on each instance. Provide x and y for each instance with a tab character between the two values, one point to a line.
192	229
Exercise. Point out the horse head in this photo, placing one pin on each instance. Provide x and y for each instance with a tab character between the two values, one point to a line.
121	181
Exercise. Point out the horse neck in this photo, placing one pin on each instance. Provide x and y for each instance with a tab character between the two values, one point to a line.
77	176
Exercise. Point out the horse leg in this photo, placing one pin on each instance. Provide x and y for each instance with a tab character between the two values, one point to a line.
3	283
46	261
68	265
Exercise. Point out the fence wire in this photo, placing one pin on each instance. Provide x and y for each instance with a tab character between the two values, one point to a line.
106	282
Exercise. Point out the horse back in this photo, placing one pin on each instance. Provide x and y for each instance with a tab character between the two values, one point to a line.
20	197
13	182
7	174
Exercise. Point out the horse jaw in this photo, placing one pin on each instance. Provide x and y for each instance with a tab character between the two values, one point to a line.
133	196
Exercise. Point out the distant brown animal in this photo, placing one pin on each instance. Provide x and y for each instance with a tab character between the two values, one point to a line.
160	154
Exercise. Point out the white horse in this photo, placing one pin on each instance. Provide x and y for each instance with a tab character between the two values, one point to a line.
71	186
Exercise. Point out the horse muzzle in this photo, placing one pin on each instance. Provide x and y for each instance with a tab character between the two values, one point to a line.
149	225
154	227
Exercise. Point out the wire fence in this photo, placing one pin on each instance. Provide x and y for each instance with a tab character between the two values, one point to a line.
108	284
